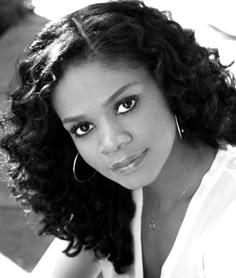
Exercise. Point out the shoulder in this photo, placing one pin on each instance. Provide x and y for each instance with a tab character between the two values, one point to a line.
223	170
227	157
220	246
220	243
55	264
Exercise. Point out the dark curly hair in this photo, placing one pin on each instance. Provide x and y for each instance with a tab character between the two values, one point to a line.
199	89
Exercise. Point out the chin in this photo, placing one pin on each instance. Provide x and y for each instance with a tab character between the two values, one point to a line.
135	180
133	185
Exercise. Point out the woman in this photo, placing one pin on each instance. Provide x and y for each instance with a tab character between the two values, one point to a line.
121	123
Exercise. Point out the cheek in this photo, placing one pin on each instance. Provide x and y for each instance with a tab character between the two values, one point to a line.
149	126
158	131
89	153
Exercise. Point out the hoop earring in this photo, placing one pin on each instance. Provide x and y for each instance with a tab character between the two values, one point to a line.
180	130
74	172
69	221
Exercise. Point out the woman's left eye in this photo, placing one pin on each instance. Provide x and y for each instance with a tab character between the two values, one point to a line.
126	105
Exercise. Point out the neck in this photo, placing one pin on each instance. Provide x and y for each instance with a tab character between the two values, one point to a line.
181	174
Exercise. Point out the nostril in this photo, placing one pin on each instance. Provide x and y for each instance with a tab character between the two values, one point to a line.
115	143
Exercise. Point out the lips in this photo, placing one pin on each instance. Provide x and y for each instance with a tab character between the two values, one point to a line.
127	161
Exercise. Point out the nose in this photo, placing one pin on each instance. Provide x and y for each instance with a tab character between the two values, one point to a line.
113	138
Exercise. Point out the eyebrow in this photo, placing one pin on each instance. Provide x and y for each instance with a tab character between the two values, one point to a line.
107	102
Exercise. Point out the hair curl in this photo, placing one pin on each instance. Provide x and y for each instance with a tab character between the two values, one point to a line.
199	89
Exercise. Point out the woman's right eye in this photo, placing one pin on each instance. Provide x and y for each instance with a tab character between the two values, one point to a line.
82	129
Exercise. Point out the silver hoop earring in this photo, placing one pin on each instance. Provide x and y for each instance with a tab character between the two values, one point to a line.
180	130
74	172
69	221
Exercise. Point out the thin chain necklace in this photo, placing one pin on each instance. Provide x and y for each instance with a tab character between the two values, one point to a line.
152	224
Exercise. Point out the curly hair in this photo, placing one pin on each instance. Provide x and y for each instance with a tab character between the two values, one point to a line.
199	89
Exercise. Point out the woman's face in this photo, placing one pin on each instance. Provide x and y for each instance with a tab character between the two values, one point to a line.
118	119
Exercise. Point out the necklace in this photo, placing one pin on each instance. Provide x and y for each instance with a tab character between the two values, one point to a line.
152	224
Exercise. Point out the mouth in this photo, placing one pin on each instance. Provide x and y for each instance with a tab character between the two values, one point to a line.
130	163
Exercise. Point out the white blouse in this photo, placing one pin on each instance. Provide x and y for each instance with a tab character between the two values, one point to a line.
205	246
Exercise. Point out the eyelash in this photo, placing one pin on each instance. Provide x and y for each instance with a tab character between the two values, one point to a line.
134	98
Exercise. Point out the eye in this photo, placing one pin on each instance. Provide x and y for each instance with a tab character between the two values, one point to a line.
82	129
126	105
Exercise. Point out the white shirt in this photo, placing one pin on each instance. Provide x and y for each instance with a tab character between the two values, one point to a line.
205	246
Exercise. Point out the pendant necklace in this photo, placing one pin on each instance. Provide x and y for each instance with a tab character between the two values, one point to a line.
152	224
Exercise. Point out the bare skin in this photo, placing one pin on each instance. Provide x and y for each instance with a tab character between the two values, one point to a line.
115	130
161	200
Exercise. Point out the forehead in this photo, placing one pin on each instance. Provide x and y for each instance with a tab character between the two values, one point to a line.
88	86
